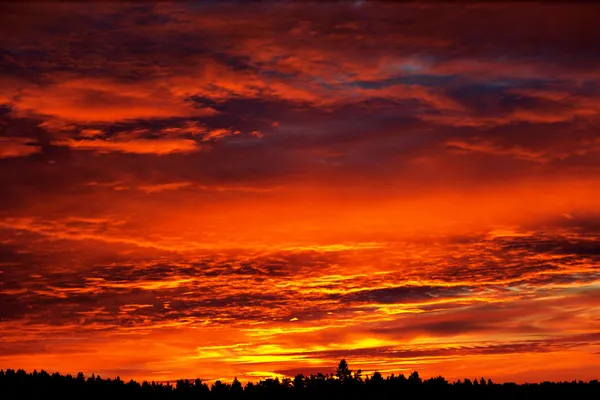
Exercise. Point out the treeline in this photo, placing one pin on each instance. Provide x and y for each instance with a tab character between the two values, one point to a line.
344	384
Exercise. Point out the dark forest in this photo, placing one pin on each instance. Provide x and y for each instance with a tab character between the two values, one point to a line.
345	383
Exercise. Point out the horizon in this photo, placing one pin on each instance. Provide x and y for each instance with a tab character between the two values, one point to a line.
329	374
345	383
262	189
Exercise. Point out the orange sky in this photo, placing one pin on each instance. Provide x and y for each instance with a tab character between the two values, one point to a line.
200	190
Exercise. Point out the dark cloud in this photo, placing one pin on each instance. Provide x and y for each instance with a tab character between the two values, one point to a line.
534	346
554	245
405	294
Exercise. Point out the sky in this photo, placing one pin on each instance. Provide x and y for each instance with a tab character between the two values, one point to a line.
261	189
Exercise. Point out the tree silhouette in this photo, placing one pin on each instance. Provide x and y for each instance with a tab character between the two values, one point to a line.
376	378
414	378
21	385
299	382
343	372
358	375
236	388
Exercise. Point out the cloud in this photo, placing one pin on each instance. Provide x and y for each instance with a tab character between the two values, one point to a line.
406	294
17	147
532	346
219	133
134	146
81	100
489	148
164	187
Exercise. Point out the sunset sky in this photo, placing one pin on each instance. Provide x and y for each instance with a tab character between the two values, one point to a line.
194	189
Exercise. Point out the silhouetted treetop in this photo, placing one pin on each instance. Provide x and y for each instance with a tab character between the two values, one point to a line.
343	372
